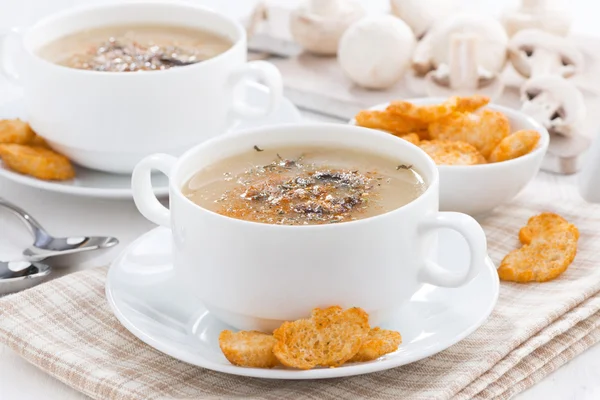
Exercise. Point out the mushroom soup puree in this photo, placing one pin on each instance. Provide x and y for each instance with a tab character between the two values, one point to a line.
304	185
131	48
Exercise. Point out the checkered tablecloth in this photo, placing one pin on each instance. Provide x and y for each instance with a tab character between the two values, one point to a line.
66	328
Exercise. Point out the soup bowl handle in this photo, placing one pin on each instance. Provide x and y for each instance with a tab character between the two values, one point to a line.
141	184
468	228
7	68
262	71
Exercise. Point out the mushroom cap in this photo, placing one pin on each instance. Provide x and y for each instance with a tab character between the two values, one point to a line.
491	53
376	51
420	15
554	102
531	46
320	34
545	15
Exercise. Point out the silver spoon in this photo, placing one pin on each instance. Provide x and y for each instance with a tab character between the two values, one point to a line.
46	246
21	275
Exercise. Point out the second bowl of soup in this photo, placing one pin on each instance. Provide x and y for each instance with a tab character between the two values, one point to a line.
108	85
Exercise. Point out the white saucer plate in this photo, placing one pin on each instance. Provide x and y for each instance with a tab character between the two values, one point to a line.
99	184
156	309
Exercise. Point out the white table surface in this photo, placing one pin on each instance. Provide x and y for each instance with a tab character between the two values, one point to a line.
65	215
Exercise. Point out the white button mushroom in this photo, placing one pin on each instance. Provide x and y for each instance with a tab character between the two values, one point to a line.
420	15
544	15
463	76
375	52
534	52
318	25
554	102
493	41
546	60
558	105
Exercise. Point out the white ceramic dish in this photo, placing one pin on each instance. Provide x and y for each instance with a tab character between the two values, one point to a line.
478	189
99	184
155	307
111	120
227	261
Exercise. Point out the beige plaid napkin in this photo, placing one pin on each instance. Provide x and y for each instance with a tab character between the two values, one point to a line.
66	328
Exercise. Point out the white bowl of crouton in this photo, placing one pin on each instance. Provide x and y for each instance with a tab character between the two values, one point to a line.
486	153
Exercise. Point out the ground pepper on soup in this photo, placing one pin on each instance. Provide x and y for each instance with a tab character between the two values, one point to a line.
306	186
134	48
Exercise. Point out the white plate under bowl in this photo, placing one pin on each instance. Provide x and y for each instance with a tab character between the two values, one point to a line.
100	184
147	300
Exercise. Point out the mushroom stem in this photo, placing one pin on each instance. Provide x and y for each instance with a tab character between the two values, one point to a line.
555	103
534	52
421	59
463	72
539	110
544	61
324	7
491	49
463	76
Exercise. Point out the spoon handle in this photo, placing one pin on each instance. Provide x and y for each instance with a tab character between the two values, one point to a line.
34	226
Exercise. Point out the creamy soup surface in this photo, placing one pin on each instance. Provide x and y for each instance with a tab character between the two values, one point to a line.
304	185
129	48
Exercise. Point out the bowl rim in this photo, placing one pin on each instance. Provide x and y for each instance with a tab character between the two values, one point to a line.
512	113
176	185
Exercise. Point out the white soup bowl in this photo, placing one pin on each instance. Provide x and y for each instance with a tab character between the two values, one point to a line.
255	276
111	120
